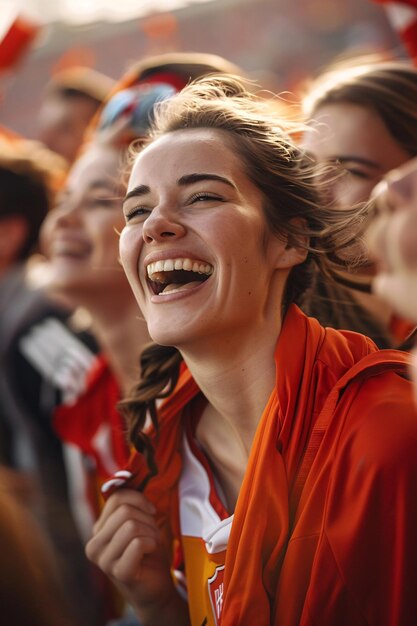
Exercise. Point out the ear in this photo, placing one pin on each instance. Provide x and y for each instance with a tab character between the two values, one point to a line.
294	252
13	235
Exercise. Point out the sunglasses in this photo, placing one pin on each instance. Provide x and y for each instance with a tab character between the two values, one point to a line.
137	103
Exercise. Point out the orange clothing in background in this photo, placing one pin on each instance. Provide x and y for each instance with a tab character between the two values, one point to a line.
324	528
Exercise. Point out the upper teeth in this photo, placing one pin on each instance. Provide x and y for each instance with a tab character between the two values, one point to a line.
169	265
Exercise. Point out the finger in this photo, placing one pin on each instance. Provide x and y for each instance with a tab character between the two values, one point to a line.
129	566
123	496
107	553
123	514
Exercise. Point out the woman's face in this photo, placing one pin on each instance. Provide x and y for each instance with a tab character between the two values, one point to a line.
196	249
356	140
392	239
79	236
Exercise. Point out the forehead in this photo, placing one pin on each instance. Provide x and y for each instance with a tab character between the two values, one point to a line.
343	130
346	126
98	162
184	151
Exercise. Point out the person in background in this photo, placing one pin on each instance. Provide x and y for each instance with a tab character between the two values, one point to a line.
362	123
28	444
24	203
392	243
268	489
70	100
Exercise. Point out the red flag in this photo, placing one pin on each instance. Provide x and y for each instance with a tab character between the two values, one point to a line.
18	33
402	14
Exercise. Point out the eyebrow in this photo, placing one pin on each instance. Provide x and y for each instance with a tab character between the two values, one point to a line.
97	184
140	190
187	179
103	182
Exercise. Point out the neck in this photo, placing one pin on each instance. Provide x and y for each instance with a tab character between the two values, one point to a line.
237	376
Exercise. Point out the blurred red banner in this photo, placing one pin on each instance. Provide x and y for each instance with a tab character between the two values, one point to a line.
402	15
17	36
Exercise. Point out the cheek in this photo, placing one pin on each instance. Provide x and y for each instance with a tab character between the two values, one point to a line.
366	187
353	191
103	236
130	246
46	233
109	249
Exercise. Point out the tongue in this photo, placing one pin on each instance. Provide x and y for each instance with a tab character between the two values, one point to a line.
174	287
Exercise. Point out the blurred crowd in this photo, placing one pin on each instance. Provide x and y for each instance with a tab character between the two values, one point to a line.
71	332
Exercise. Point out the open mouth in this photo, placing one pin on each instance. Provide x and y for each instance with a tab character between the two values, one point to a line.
71	250
174	275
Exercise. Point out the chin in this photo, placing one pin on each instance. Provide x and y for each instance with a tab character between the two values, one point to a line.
170	334
163	338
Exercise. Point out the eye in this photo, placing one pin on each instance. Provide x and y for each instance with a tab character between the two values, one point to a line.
204	196
353	171
138	211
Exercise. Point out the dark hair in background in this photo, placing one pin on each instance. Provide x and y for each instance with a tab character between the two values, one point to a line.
80	82
387	87
69	93
288	181
24	191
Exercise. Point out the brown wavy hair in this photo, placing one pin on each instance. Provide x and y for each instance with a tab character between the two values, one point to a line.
387	87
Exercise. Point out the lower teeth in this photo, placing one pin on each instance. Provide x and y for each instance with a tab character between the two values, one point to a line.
175	288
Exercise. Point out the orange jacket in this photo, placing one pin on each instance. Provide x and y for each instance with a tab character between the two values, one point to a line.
324	527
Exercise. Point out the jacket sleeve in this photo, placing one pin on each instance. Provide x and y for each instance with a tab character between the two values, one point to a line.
365	570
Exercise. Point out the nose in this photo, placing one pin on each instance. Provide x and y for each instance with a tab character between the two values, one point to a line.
401	189
67	211
162	224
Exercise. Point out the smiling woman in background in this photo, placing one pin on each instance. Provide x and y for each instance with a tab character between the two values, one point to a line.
392	241
362	123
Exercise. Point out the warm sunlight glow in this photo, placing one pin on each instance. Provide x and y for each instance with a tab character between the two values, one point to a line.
87	11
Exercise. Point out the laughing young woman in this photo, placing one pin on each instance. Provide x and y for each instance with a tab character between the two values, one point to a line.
276	484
